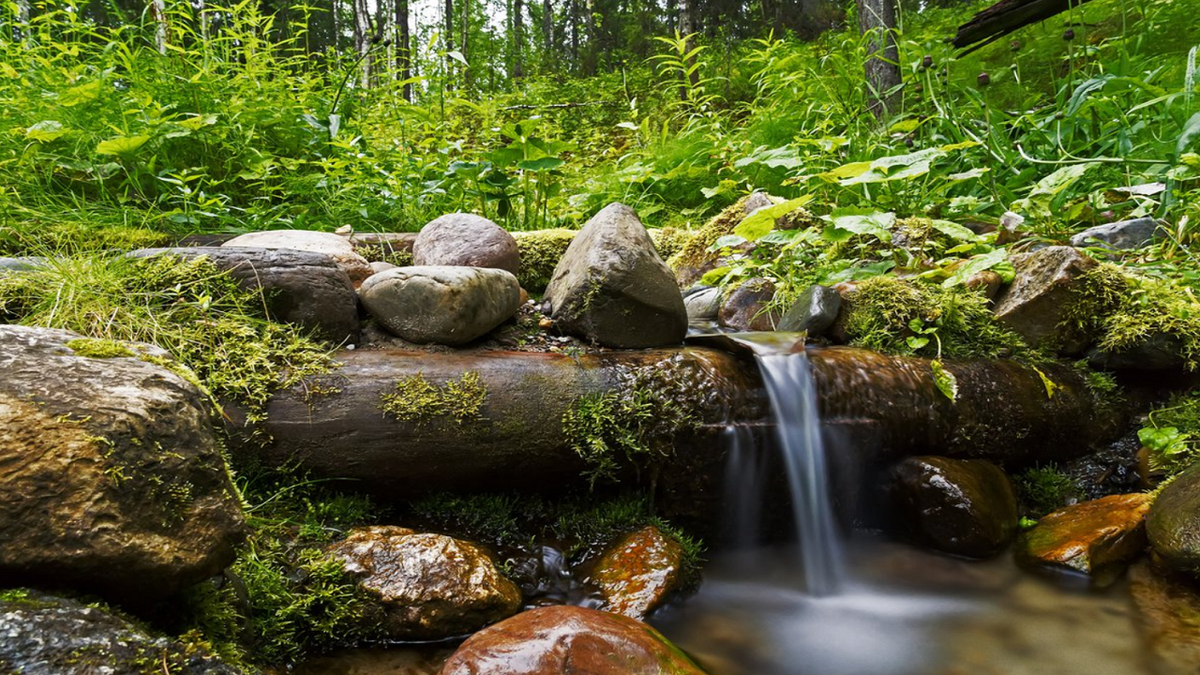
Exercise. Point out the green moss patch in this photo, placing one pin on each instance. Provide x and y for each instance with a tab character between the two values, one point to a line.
1045	489
99	349
540	252
419	401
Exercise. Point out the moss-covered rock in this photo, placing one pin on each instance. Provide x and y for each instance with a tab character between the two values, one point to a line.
540	252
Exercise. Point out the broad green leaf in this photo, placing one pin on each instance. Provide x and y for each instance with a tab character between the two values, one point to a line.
845	171
458	56
121	145
758	224
780	236
197	121
8	71
79	94
1190	131
915	343
541	164
1165	439
905	126
967	175
864	221
974	266
627	125
955	231
944	380
727	241
46	131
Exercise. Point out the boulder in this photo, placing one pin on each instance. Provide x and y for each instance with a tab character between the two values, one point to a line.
637	573
1096	537
566	640
47	635
1123	235
746	307
613	288
380	266
703	304
961	507
466	240
301	287
813	312
1157	352
441	304
429	586
1044	286
111	480
335	246
1173	524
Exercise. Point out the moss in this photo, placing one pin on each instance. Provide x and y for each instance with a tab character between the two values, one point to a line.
695	252
1045	489
883	311
385	252
540	252
417	400
669	240
99	349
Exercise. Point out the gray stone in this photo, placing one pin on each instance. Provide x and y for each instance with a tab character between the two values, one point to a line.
301	287
380	266
612	287
703	304
46	635
428	586
335	246
467	240
1156	352
747	307
26	264
813	312
1033	305
441	304
111	479
1126	234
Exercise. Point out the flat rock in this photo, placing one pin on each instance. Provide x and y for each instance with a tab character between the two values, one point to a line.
46	635
637	573
1034	304
813	312
111	480
24	264
441	304
1093	537
565	640
1173	524
962	507
612	287
301	287
1158	352
429	586
747	307
333	245
1123	235
468	240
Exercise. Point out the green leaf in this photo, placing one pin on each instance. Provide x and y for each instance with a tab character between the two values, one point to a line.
758	224
974	266
458	56
627	125
1167	440
197	121
540	165
121	145
46	131
780	237
864	221
715	276
1190	131
955	231
726	241
915	343
1050	385
80	94
944	380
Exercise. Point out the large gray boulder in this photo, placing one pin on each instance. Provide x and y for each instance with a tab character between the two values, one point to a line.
1034	304
612	287
467	240
301	287
441	304
1126	234
111	480
47	635
333	245
428	586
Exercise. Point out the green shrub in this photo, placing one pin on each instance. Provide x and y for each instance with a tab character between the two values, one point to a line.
1045	489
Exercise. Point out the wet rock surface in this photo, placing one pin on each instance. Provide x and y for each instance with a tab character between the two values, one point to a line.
468	240
612	287
46	635
1125	234
963	507
702	304
569	641
746	307
445	305
301	287
637	573
813	312
1034	304
1096	537
111	480
1173	524
24	264
1158	352
430	586
1168	609
335	246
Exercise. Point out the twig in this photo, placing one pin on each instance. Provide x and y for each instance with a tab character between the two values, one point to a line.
544	106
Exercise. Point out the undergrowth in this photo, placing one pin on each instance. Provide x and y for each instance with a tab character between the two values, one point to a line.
1044	489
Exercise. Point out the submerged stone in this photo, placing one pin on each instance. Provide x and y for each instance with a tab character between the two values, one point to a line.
429	586
1034	304
467	240
1168	610
612	287
962	507
46	635
446	305
1099	536
111	479
637	573
567	640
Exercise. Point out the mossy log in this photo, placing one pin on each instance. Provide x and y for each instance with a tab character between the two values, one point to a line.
353	423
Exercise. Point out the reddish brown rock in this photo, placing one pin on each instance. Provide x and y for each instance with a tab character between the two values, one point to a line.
1034	304
467	240
1091	537
429	586
747	307
569	641
637	573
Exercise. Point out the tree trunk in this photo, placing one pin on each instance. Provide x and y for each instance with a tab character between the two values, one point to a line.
518	37
464	13
687	26
158	11
548	32
362	40
403	42
573	20
877	18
